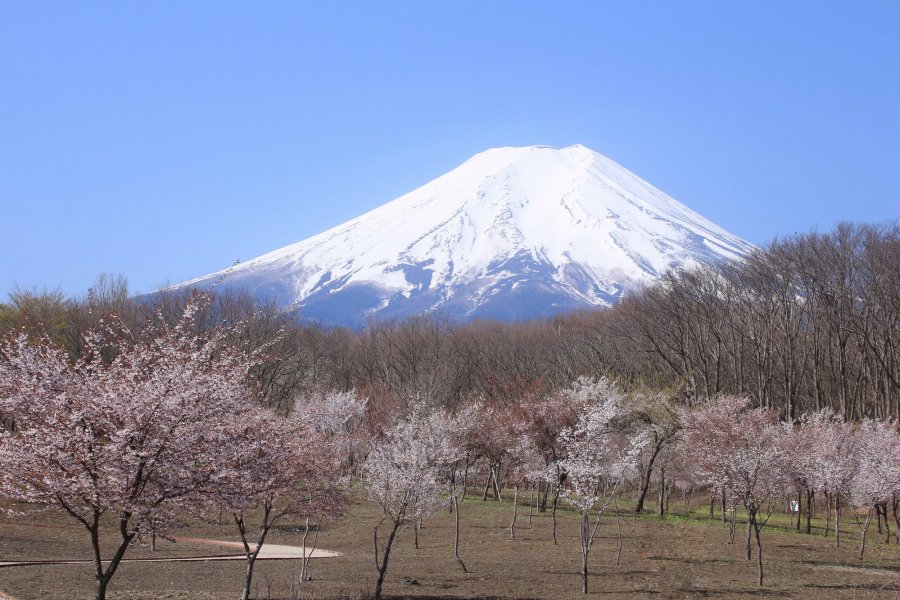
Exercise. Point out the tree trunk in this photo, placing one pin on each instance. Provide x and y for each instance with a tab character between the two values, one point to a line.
662	493
723	504
248	575
251	555
878	516
531	504
881	511
619	533
304	564
494	474
645	480
895	505
887	525
731	527
103	577
512	526
465	479
382	568
864	530
810	495
303	546
837	520
102	582
555	502
759	558
456	537
585	549
749	534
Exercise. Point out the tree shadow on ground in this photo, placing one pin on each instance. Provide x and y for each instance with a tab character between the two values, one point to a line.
699	592
428	597
862	568
704	560
869	587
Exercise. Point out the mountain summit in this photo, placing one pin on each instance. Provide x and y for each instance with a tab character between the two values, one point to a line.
511	233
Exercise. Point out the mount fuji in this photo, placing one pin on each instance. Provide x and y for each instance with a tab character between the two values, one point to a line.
512	233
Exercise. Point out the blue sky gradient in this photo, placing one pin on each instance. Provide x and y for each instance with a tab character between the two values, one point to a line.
165	140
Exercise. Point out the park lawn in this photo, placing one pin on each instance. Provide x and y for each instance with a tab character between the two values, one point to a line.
682	555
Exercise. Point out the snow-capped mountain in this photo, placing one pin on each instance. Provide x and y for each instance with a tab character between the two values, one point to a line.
511	233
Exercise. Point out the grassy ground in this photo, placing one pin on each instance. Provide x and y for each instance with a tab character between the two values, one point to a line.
680	556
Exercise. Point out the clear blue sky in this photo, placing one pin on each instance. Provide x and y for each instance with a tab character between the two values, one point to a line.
164	140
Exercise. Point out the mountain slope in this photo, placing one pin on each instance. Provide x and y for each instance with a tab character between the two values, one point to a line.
511	233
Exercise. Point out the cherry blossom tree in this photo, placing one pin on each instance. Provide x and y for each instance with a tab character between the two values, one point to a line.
538	423
681	472
507	445
832	461
127	431
856	463
405	475
663	473
739	448
598	459
800	445
489	442
339	415
460	426
527	466
655	415
274	467
877	474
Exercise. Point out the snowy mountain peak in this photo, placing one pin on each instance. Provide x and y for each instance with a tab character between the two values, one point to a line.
513	232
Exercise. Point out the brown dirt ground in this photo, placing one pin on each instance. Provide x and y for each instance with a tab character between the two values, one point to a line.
685	556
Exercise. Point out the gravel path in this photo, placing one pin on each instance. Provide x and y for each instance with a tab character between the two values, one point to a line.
268	552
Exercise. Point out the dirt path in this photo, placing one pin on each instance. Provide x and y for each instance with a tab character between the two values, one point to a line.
268	552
